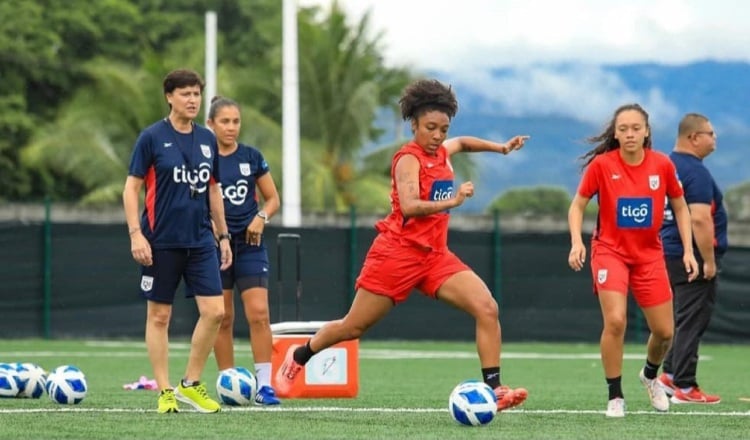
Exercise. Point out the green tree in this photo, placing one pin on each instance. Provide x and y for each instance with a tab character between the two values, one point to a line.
541	200
43	45
343	85
91	141
737	202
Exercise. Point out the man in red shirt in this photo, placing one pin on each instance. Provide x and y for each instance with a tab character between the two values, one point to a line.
631	182
411	249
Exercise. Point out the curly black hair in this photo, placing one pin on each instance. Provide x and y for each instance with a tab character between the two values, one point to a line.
427	95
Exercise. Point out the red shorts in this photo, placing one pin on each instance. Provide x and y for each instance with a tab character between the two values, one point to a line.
394	270
649	282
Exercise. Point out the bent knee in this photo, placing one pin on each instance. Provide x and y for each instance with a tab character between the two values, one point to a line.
486	309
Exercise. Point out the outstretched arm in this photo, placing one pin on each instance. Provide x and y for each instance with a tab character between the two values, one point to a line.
471	144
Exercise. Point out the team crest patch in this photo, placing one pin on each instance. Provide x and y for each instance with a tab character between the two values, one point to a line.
653	182
245	169
601	276
206	150
147	283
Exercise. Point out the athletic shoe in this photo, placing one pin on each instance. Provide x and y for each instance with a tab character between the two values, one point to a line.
167	402
695	395
666	384
197	397
288	371
616	407
508	397
266	396
656	394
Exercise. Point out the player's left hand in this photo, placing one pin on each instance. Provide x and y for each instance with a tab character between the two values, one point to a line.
254	231
515	143
226	254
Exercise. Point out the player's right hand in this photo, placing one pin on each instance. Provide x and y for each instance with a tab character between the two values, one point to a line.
577	257
141	249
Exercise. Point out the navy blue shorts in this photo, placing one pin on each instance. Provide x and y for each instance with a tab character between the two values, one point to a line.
249	266
197	266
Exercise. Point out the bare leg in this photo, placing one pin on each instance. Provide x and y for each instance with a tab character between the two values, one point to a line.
157	341
367	309
614	307
660	320
224	345
467	292
211	309
255	302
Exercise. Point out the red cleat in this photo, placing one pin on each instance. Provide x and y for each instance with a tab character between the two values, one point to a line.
288	371
509	398
695	395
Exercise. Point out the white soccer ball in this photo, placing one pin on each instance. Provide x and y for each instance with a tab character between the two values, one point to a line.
66	384
32	380
236	386
472	403
8	383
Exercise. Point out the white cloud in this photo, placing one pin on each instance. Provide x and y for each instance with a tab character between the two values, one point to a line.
583	92
463	35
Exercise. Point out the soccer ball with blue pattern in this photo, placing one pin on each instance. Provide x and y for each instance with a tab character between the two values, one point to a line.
32	380
472	403
66	385
236	386
8	382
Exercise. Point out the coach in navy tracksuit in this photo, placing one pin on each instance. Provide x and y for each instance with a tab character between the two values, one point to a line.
693	301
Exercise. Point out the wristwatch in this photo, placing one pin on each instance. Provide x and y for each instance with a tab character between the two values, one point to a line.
263	215
226	236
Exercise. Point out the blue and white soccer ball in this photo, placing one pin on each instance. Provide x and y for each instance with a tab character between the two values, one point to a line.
8	383
32	380
236	386
66	385
472	403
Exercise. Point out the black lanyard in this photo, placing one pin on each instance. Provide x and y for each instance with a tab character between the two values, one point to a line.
186	157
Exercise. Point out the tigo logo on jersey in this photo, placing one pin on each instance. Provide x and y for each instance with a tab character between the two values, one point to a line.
236	194
634	212
198	179
441	190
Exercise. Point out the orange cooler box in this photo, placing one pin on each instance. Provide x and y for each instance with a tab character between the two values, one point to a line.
334	372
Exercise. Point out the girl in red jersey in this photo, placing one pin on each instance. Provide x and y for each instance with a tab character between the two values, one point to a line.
631	182
411	249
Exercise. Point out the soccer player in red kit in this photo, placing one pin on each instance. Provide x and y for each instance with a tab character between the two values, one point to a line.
631	182
411	249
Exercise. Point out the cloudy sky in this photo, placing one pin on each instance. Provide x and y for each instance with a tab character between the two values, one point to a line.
465	34
465	38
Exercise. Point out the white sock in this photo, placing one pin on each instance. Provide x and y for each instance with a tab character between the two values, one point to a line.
263	374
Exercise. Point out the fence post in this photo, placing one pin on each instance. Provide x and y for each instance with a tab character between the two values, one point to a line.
47	269
352	253
496	258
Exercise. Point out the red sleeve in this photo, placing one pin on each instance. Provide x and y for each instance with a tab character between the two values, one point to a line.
589	185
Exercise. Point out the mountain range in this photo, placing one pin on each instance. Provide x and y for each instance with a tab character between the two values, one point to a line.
571	103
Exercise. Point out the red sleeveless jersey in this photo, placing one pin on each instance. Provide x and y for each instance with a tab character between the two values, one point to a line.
435	183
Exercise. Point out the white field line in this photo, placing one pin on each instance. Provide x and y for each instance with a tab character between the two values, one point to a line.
336	409
180	350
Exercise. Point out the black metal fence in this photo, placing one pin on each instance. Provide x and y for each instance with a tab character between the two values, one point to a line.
82	282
